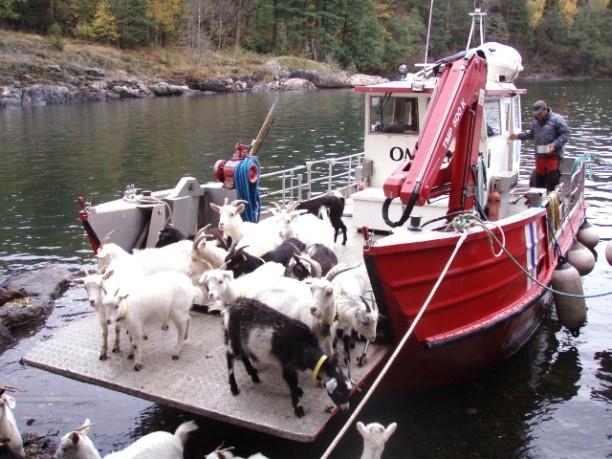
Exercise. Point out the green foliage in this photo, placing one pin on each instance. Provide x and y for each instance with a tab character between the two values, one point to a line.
55	37
8	9
134	27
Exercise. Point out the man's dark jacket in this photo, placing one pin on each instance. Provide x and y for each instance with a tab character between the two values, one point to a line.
553	129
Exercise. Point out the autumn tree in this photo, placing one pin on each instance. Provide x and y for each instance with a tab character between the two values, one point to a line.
104	26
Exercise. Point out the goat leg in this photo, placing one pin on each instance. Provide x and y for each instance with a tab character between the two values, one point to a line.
117	347
104	350
363	358
251	370
290	376
230	370
347	349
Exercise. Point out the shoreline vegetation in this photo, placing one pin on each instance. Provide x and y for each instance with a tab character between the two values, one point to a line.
71	51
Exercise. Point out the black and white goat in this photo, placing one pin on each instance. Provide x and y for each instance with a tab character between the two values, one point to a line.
316	261
256	331
334	205
241	262
169	235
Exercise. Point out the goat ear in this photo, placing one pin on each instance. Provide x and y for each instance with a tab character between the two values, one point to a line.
79	280
74	438
203	277
229	275
124	296
240	208
215	207
362	429
389	430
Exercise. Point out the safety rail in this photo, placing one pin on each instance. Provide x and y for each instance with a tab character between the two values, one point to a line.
317	177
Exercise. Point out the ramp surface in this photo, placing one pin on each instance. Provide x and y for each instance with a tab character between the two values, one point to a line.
198	381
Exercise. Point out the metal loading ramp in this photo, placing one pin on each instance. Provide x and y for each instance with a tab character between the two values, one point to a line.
197	382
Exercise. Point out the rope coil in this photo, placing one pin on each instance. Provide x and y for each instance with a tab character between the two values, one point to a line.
248	190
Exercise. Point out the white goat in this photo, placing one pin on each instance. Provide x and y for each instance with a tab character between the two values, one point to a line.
306	227
354	282
226	453
158	445
257	238
9	432
158	297
93	286
375	436
355	316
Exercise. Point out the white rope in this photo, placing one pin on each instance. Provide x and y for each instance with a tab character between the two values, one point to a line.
152	201
398	349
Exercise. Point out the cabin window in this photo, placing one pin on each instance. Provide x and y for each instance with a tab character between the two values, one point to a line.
397	115
493	117
517	113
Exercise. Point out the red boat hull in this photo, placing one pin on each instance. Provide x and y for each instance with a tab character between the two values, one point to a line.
485	309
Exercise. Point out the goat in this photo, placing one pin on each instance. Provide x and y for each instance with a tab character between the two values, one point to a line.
93	286
256	331
259	237
241	262
158	445
324	260
77	444
169	235
303	226
355	317
9	432
313	303
161	296
375	436
226	453
334	205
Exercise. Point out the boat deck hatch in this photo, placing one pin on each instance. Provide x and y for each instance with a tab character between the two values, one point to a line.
197	382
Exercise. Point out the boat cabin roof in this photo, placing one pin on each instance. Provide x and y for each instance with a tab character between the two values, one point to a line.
413	85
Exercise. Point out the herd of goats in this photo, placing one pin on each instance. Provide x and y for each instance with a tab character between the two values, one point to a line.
283	297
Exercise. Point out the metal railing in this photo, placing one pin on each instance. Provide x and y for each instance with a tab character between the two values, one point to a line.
311	179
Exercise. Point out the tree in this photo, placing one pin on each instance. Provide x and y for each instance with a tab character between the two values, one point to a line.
8	9
164	15
132	22
405	39
104	26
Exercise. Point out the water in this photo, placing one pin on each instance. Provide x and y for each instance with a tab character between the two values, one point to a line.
551	400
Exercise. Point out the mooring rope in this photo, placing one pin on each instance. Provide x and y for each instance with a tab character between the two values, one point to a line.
395	354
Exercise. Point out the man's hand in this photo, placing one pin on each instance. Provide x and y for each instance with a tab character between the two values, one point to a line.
513	136
551	148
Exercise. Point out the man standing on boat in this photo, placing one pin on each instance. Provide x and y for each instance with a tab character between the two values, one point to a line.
549	131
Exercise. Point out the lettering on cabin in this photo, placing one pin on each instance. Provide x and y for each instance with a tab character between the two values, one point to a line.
398	154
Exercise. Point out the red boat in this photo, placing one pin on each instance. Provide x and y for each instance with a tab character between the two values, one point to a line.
460	163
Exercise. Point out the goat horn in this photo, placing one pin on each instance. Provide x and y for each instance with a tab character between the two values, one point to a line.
225	201
315	265
339	269
292	206
366	304
239	201
277	205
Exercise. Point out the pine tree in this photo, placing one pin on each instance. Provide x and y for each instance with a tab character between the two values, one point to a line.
164	15
104	26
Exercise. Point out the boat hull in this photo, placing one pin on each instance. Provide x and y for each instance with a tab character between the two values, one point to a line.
485	309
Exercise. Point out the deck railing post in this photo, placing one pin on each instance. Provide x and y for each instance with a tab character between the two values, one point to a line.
350	173
299	180
329	176
309	179
283	187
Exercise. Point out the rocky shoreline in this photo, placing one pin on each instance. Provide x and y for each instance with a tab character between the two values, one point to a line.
84	85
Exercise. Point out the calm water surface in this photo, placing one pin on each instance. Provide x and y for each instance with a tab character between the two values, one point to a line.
552	400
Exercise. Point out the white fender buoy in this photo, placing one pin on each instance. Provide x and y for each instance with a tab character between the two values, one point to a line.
571	311
581	258
588	235
609	251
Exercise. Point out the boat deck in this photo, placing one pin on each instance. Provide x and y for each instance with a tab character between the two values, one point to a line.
197	382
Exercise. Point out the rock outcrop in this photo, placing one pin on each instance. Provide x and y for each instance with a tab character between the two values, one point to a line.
41	288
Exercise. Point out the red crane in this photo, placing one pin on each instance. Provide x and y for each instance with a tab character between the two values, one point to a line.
455	113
